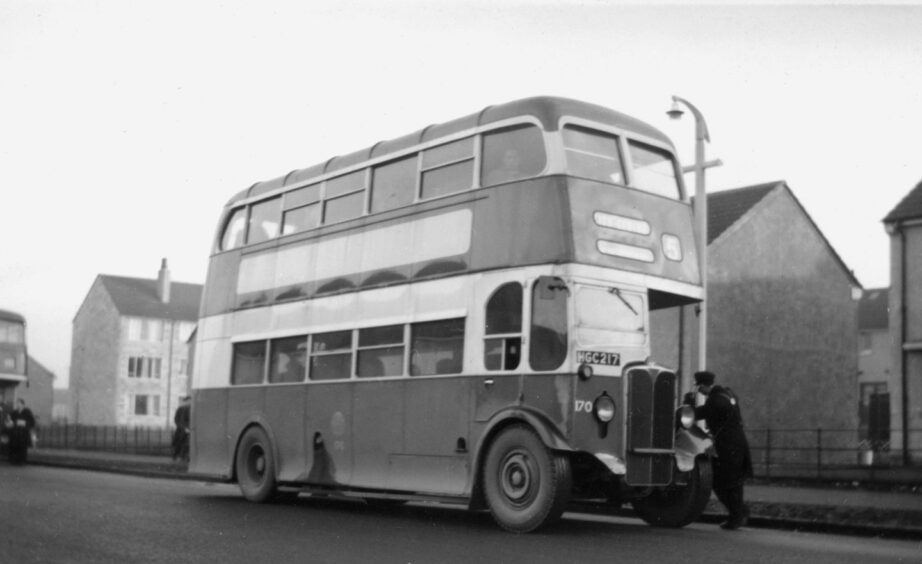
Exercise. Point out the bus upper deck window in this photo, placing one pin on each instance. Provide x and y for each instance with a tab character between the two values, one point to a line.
512	154
653	170
302	210
593	154
234	230
264	220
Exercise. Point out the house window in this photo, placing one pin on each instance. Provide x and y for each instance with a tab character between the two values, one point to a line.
144	367
146	404
150	330
140	405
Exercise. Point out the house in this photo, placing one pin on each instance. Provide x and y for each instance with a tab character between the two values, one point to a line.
782	314
904	226
129	353
874	369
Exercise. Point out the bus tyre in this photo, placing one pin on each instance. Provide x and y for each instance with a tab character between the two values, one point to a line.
526	485
256	466
677	506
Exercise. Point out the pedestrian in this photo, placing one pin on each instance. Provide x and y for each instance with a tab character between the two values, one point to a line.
733	464
22	422
182	420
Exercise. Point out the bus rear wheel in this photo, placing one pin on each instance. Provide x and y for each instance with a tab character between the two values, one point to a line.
677	506
526	485
255	466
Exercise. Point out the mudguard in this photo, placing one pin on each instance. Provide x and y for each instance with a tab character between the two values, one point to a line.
543	427
689	444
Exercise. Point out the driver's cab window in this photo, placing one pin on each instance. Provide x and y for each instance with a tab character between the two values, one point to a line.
503	331
548	346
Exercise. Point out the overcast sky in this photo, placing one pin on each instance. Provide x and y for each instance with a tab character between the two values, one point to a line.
126	126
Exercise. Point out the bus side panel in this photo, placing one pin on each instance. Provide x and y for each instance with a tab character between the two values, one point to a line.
220	294
494	393
521	224
589	434
209	438
286	419
328	434
436	427
245	405
377	430
552	395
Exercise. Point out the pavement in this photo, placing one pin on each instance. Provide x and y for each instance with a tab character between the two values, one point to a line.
892	510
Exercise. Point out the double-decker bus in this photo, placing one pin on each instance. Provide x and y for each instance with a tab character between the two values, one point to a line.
461	314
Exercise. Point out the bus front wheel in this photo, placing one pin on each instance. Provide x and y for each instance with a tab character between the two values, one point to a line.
526	485
256	466
677	506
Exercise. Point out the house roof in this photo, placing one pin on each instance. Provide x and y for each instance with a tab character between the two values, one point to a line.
910	207
137	297
36	367
727	207
874	309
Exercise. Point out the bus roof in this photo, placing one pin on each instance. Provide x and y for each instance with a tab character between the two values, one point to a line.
547	109
7	315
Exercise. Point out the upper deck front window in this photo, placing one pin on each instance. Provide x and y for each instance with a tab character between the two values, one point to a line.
11	332
264	220
512	154
654	170
234	230
593	154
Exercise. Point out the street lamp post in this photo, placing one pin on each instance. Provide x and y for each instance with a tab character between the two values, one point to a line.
701	215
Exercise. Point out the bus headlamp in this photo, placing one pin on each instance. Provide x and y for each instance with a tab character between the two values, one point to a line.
685	416
604	408
584	371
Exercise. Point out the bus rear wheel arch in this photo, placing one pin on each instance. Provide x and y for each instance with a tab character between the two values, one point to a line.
255	466
525	484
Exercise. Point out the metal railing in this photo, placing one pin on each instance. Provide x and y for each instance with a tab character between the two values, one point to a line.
106	438
833	454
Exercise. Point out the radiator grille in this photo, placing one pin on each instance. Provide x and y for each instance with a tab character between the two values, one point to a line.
650	428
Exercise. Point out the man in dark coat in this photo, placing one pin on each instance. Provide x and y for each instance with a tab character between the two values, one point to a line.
733	464
21	424
182	421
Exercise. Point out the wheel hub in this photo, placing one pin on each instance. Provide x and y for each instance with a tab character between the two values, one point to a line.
516	477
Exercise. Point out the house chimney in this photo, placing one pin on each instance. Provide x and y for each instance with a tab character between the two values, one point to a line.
163	283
